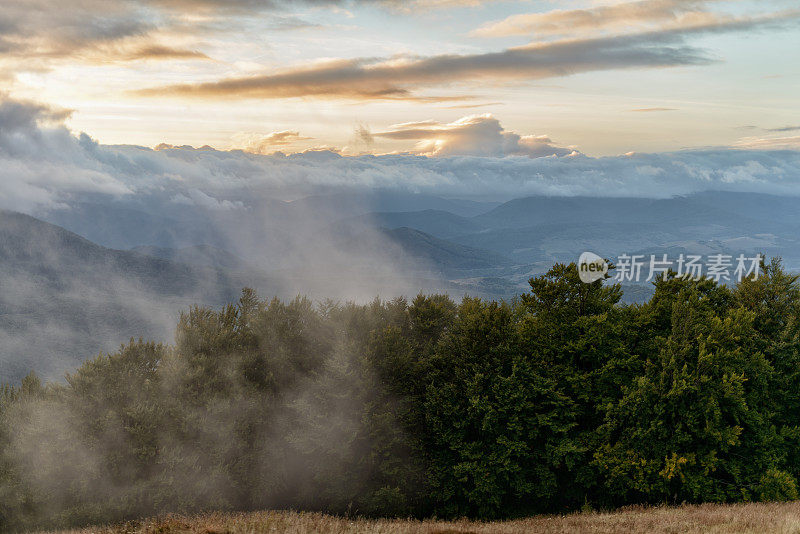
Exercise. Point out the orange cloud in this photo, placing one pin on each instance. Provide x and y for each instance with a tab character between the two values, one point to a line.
769	143
474	135
639	15
398	78
266	144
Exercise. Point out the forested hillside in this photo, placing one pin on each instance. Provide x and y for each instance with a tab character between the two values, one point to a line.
560	400
64	298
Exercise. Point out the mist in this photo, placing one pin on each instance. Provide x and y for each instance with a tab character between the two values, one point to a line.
287	225
295	415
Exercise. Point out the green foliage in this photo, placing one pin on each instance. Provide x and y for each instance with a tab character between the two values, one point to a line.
494	421
562	400
777	485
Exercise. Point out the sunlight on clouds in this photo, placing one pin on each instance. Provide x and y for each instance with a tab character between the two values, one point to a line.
621	16
269	143
234	73
476	135
46	166
770	143
399	77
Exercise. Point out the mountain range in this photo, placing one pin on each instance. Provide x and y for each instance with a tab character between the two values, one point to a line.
80	280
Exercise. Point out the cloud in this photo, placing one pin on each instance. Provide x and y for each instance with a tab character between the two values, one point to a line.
18	116
265	144
652	110
42	161
195	197
645	14
45	166
770	143
161	52
35	33
475	135
396	78
356	79
473	106
412	6
249	6
784	129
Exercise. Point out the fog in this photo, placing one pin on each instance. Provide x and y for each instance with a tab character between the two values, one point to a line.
161	429
292	224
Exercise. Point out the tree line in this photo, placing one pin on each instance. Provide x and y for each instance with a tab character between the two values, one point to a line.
560	400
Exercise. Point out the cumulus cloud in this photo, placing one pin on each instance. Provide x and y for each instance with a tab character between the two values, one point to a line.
21	118
42	161
475	135
398	77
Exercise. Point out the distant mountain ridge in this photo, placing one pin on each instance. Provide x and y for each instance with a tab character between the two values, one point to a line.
64	297
443	254
439	223
544	229
33	246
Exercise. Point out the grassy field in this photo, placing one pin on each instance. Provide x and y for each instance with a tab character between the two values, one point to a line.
755	518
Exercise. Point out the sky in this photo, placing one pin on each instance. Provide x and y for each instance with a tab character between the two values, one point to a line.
434	78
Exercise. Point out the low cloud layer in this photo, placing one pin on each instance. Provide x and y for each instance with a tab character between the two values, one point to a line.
46	166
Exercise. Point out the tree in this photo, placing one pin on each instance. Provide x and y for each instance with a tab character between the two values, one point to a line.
774	299
494	422
577	335
695	426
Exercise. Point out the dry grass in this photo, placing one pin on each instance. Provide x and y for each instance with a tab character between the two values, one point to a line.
708	518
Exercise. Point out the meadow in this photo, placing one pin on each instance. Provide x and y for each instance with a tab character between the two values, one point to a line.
705	518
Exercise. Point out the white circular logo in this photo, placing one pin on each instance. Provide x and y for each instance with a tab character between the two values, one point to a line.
591	267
